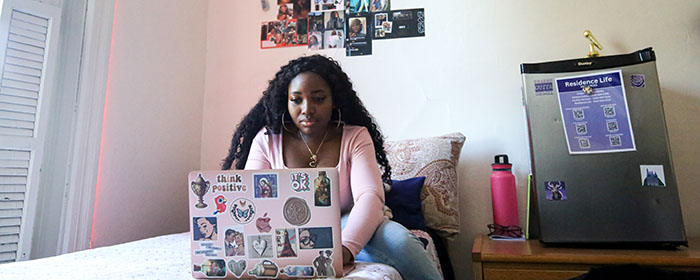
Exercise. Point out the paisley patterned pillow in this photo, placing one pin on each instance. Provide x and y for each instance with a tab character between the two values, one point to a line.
436	159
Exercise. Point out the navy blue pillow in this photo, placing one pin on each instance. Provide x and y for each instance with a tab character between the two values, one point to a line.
404	201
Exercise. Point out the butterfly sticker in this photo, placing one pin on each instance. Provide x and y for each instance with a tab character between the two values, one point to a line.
242	211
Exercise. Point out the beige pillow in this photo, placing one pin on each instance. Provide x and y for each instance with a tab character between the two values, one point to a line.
436	159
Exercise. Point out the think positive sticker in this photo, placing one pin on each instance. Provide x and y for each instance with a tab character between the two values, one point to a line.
653	175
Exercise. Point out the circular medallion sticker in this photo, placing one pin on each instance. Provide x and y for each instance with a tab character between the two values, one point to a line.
296	211
242	210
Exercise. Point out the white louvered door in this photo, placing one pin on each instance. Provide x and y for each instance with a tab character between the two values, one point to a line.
28	30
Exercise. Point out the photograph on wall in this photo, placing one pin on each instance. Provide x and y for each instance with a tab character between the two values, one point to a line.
357	6
316	22
284	10
316	41
357	41
301	8
334	39
327	5
283	33
379	5
334	20
399	24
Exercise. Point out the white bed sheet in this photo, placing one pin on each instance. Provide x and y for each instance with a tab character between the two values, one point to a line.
162	257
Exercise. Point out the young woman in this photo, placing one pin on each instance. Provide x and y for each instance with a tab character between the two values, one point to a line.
310	116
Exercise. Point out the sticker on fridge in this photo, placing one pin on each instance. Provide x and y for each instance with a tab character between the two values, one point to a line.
595	113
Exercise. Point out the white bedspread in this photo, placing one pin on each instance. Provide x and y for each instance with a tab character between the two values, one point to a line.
162	257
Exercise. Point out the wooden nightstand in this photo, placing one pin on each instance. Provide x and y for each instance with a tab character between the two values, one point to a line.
532	260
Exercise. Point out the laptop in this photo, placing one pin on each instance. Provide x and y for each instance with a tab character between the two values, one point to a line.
282	223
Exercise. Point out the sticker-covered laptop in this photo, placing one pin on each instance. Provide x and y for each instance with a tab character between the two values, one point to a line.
265	223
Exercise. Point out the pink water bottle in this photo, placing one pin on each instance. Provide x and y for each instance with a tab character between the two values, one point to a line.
503	196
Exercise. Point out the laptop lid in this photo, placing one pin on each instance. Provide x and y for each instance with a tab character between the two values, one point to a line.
265	223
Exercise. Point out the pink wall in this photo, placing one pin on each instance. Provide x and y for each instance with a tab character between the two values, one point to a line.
152	123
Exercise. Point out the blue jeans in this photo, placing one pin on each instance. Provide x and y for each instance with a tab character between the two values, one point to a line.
394	245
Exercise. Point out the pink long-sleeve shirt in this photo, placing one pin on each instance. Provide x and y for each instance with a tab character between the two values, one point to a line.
361	189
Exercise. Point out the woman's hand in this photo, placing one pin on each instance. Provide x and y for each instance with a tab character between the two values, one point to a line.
348	259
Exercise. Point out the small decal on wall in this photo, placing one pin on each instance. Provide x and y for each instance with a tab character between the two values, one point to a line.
653	175
555	190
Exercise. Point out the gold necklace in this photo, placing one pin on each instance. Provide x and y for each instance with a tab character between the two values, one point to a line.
313	158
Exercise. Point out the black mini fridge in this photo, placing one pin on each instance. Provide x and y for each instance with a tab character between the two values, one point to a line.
600	156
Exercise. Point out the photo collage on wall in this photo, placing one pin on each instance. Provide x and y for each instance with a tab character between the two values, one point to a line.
337	24
290	28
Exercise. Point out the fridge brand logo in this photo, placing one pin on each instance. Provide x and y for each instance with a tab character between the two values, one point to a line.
544	87
585	63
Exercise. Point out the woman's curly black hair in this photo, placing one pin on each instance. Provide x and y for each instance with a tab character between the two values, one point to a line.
273	104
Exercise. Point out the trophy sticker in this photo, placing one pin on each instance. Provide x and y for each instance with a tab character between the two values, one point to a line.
208	249
237	267
265	185
260	246
286	241
298	271
229	183
315	238
200	187
300	181
220	202
264	269
242	210
204	228
234	242
324	264
555	190
296	211
212	268
263	224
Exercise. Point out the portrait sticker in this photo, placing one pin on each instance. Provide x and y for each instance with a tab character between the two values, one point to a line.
298	271
300	181
265	185
653	175
260	246
237	267
323	264
208	250
265	269
315	238
555	190
204	228
296	211
286	242
234	242
242	210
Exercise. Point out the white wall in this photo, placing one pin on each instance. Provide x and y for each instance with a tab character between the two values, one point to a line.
152	122
464	76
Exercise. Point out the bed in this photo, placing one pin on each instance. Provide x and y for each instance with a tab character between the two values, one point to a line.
168	256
